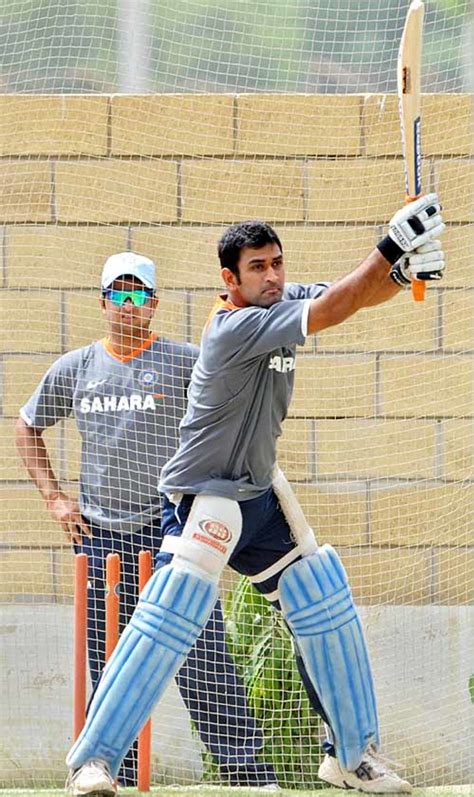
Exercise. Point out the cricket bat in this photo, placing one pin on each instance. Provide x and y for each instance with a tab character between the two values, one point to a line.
409	98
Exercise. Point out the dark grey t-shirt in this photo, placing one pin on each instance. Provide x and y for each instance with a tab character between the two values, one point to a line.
239	395
127	411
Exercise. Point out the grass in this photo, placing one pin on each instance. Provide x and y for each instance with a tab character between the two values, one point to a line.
218	791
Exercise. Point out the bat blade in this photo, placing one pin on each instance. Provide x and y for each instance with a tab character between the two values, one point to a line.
409	98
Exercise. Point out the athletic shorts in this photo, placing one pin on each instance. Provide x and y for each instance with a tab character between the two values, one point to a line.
265	548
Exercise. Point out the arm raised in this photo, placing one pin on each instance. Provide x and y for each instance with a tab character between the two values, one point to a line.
369	284
373	281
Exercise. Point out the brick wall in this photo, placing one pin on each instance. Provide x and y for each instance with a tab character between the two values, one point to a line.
380	439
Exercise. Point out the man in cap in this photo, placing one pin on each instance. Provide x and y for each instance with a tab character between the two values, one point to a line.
127	393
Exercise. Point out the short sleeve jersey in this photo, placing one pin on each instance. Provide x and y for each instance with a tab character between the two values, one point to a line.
127	411
239	395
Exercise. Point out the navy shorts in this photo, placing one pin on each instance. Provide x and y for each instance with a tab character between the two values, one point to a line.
266	537
266	542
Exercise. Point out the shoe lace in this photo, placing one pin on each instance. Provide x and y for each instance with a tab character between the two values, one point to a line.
99	764
377	763
366	771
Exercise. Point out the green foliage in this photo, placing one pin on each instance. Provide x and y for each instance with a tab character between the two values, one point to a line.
261	645
471	688
454	6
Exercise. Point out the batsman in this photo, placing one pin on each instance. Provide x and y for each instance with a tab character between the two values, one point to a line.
226	502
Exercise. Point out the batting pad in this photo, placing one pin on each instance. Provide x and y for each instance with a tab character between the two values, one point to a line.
171	613
317	603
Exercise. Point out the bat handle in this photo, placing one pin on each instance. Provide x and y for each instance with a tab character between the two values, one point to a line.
418	290
418	287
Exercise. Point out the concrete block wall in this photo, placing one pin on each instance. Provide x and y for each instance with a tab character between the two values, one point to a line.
379	442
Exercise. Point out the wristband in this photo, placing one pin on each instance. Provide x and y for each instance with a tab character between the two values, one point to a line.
390	250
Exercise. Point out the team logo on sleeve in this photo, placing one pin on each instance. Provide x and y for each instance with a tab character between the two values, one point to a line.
148	377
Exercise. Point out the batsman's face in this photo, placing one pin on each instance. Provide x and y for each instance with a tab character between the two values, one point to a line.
261	277
128	320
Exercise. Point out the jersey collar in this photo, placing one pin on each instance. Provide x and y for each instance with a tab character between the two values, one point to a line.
135	353
222	302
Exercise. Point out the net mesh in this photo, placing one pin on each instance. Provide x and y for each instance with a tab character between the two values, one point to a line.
336	47
149	126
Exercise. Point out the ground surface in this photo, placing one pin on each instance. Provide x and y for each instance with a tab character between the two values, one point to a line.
217	791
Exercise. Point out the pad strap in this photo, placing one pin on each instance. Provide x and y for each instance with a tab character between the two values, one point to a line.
295	517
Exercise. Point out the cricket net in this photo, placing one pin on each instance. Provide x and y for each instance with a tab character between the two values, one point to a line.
150	125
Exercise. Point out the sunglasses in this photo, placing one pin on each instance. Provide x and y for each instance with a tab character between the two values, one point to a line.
138	297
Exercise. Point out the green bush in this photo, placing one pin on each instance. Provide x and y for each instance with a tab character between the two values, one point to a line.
262	648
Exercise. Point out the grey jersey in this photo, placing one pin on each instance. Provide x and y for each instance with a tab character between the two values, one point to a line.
239	395
127	411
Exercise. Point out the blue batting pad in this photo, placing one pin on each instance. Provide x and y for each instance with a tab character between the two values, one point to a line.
172	611
317	603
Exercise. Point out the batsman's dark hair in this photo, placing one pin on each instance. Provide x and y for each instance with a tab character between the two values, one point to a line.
254	234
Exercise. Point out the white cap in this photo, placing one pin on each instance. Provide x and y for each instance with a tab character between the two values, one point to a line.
128	263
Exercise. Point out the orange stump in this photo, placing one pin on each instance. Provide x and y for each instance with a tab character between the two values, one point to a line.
112	619
80	644
144	739
112	603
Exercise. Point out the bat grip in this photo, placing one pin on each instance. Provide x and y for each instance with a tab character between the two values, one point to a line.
418	287
418	290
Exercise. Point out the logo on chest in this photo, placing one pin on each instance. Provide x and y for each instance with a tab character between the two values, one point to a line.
148	377
281	364
120	403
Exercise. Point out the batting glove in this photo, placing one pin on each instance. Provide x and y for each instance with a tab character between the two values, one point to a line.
424	263
411	227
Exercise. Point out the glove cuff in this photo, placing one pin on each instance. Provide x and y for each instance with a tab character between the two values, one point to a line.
390	250
398	276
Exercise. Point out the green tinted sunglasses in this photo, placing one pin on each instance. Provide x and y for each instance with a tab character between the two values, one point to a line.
138	297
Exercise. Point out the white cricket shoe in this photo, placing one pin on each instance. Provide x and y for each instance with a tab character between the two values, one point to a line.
371	776
93	779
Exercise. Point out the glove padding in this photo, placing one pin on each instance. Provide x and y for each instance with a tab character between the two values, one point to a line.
417	223
424	263
412	227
